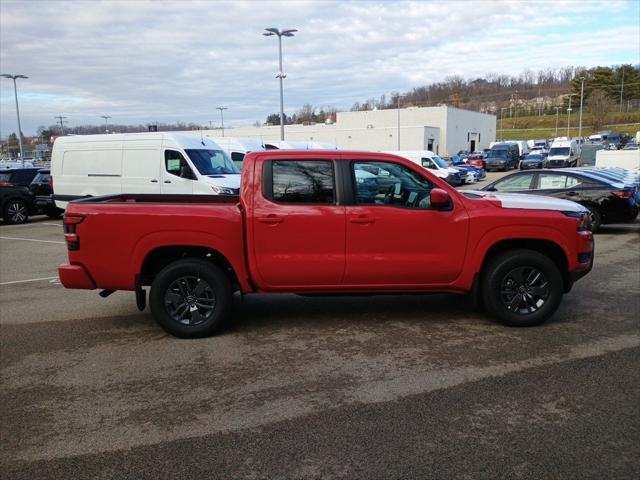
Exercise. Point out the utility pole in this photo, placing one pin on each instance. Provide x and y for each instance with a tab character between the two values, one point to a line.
557	117
222	117
210	124
501	126
581	101
61	119
621	88
15	93
515	106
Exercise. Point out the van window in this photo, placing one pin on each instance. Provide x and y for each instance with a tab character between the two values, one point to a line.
212	162
174	162
559	151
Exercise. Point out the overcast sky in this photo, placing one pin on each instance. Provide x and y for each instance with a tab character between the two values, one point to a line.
145	61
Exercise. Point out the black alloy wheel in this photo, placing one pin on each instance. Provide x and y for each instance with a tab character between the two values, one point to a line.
521	287
190	300
16	212
524	290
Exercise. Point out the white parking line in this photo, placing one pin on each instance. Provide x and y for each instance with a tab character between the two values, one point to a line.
31	280
30	240
50	224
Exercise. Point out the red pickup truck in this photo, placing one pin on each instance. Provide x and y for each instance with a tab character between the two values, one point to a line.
313	222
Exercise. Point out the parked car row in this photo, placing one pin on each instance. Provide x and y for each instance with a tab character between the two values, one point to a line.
612	195
25	192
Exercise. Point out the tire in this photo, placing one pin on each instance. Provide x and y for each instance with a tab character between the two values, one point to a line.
532	276
595	218
16	211
185	285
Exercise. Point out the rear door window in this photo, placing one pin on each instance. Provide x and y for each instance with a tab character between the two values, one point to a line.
302	181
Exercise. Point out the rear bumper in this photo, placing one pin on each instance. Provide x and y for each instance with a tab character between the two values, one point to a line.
75	276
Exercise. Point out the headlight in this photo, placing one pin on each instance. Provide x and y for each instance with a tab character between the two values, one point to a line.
583	218
222	190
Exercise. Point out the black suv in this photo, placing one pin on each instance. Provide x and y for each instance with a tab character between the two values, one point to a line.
43	194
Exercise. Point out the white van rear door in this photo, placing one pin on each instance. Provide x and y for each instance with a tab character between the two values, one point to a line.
141	169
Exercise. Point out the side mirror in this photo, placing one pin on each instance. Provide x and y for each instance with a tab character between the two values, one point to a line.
185	172
440	199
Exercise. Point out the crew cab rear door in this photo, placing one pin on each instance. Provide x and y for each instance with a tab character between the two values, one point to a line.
298	227
393	237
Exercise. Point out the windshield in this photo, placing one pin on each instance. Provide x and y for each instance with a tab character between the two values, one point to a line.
498	153
559	151
212	162
440	162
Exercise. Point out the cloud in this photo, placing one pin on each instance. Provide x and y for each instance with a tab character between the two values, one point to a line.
141	61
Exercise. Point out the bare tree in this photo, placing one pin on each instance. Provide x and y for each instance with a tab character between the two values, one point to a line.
599	105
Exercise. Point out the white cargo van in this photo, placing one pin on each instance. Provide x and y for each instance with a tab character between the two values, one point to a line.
286	145
238	147
162	162
437	166
563	153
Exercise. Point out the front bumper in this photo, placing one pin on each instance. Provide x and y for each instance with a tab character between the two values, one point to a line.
75	276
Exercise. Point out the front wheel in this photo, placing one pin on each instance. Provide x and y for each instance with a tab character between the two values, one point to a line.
16	212
191	298
521	288
595	219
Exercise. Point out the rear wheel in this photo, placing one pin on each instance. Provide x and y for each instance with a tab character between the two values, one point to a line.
191	298
521	288
16	211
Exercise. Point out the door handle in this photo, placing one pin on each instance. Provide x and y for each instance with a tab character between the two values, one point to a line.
362	220
167	181
572	194
271	219
154	181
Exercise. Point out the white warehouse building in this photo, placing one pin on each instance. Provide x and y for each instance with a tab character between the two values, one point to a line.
443	129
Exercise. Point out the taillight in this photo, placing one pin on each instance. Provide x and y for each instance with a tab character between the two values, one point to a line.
70	226
51	183
623	194
7	184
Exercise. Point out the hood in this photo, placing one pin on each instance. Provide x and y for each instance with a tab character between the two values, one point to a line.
529	202
231	180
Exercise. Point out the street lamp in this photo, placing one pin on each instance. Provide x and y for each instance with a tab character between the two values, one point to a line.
569	114
281	75
581	100
15	92
106	124
557	117
222	117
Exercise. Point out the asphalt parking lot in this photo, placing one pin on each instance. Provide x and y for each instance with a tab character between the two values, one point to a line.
410	386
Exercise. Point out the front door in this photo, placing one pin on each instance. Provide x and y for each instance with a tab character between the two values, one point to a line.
393	235
177	176
298	227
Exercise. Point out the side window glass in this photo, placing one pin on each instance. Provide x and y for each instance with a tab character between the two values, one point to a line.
174	162
237	158
515	183
391	184
304	181
551	181
572	182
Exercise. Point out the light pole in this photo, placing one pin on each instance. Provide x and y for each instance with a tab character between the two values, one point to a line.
501	128
15	92
222	117
569	115
281	75
557	117
106	124
581	101
398	121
